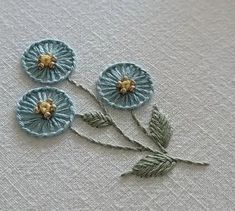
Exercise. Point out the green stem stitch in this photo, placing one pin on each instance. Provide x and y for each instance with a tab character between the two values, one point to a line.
145	131
106	145
133	141
138	123
87	91
157	164
139	149
180	159
152	165
105	111
191	162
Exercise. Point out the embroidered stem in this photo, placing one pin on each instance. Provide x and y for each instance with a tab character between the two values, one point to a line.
157	165
87	91
105	111
191	162
138	123
145	131
131	140
140	148
160	146
106	145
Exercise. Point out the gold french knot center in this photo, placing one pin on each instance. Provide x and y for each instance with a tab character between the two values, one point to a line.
126	85
46	61
45	108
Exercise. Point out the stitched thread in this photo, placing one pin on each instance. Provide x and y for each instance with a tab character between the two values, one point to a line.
152	166
97	119
106	145
48	61
34	123
146	132
123	85
145	167
128	85
105	112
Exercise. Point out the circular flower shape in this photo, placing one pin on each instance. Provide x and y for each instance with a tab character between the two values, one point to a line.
48	61
125	86
45	111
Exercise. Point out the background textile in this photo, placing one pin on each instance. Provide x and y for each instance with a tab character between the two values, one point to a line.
187	46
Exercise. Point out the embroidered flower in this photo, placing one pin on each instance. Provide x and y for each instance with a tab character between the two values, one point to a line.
125	86
45	111
48	61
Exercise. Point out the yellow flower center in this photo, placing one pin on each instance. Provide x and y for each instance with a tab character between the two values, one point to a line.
126	85
45	108
46	61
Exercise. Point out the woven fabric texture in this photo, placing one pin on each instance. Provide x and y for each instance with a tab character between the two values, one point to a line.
187	47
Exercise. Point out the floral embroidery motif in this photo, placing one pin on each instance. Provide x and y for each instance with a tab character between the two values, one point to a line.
45	112
125	86
48	61
48	111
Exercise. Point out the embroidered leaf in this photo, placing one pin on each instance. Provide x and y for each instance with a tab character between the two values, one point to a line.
153	165
97	119
160	128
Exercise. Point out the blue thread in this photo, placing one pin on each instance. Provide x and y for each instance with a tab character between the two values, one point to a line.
34	123
109	92
63	66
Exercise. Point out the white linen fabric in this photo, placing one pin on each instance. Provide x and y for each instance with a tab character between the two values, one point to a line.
188	49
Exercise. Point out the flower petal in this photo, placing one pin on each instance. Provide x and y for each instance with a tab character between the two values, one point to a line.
107	86
64	64
34	123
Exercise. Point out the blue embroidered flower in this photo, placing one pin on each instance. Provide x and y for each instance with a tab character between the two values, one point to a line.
48	61
125	86
45	112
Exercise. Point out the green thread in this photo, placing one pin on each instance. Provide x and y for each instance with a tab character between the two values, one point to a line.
106	113
87	91
146	132
138	123
97	119
152	166
160	128
160	132
91	140
191	162
133	141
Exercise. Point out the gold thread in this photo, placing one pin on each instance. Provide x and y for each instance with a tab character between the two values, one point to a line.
126	85
46	61
45	108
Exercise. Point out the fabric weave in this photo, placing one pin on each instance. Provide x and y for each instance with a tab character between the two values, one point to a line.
187	47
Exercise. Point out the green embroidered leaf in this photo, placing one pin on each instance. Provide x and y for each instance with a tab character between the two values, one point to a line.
160	128
153	165
97	119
